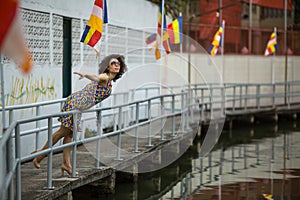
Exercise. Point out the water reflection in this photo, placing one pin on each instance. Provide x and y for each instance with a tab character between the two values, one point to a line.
247	162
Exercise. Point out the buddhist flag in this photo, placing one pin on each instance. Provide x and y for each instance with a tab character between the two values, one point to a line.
272	44
217	42
12	40
93	29
151	40
175	31
165	37
268	196
157	52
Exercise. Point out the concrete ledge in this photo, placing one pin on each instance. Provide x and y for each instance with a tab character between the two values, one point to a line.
64	185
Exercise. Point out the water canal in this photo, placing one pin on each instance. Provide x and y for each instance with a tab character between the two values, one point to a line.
247	162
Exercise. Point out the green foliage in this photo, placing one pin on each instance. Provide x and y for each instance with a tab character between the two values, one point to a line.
173	8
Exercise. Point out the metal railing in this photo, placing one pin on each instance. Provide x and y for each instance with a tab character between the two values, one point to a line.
207	99
14	135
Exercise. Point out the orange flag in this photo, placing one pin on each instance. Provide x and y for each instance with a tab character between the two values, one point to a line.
12	41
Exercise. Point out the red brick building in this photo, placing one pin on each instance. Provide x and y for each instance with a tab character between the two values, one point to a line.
245	32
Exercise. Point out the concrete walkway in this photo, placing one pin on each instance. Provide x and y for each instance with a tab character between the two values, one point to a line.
147	158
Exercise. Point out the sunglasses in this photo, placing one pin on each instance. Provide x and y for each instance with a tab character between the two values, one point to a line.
115	63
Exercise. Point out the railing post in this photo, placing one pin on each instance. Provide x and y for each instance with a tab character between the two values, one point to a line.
258	96
201	171
147	91
289	95
49	169
246	97
137	114
115	115
10	157
245	156
257	153
210	166
223	99
273	97
211	102
99	133
233	159
37	125
202	105
126	112
131	107
221	161
11	116
187	110
182	112
149	125
10	162
173	115
74	150
119	138
241	96
191	104
18	160
233	100
202	96
162	117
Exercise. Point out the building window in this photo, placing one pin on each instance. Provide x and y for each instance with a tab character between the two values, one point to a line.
254	9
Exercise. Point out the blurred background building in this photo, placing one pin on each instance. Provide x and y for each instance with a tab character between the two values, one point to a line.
249	24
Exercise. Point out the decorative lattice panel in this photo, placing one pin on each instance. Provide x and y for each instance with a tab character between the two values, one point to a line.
36	28
57	28
135	45
116	40
102	51
115	30
76	36
135	38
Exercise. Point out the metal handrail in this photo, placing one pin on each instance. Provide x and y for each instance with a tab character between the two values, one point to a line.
15	166
215	96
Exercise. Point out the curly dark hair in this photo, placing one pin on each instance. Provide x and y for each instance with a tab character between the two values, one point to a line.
104	64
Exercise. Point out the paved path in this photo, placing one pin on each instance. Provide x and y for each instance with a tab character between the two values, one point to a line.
34	181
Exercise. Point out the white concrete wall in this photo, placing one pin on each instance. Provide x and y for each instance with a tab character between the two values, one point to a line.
236	68
129	13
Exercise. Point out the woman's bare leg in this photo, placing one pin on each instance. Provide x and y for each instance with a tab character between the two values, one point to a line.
66	165
61	132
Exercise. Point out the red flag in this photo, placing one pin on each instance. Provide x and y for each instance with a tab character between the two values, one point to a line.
12	42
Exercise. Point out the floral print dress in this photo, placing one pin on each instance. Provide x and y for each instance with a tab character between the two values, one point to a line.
90	95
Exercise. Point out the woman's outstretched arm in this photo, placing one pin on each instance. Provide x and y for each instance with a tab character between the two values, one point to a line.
102	78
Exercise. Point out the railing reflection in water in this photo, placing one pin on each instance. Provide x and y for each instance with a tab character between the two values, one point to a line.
246	163
267	159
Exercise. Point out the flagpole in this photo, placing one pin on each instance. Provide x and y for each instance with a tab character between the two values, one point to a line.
250	28
161	44
220	12
222	53
2	98
285	49
180	35
273	58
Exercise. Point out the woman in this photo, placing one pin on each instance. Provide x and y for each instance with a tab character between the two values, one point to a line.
111	68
